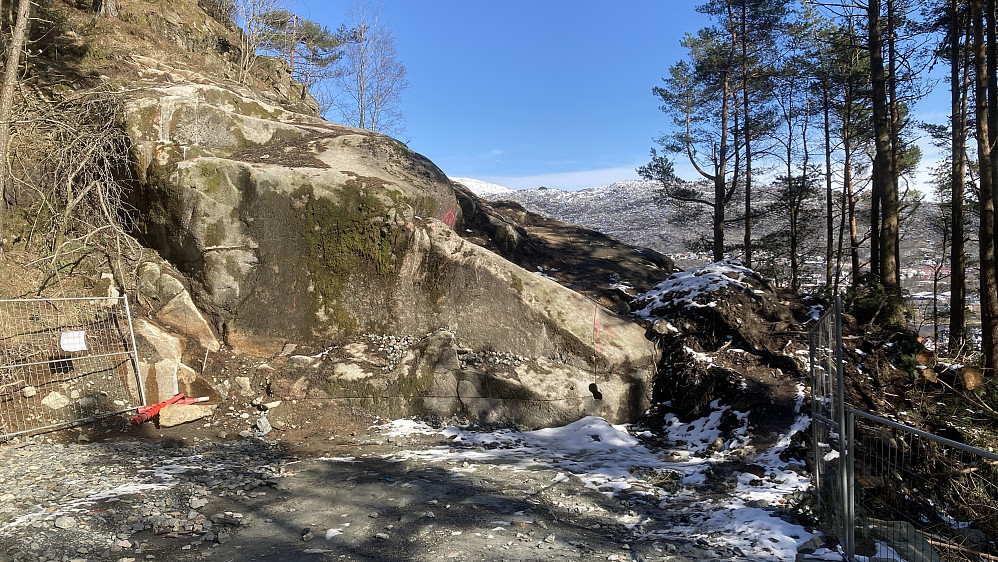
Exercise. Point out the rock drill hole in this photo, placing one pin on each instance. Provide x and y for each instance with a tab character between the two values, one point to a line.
595	390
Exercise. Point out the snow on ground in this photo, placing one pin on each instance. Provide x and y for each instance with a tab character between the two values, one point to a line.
699	435
684	287
610	459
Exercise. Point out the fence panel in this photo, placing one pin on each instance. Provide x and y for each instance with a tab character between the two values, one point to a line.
827	421
64	361
890	491
920	496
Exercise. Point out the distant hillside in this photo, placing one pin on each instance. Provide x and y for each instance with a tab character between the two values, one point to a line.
483	188
625	210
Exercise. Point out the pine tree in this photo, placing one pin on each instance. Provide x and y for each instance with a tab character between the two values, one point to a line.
756	28
985	139
311	49
699	97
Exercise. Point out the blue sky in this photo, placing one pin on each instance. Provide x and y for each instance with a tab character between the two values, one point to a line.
525	93
530	93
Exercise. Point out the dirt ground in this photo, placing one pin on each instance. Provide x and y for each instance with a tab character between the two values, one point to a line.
332	486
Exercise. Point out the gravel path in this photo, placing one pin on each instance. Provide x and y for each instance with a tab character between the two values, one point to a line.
250	499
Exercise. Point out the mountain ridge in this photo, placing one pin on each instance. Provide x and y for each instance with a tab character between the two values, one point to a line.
626	210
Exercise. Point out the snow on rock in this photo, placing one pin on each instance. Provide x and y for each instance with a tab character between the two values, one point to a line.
700	435
693	287
726	335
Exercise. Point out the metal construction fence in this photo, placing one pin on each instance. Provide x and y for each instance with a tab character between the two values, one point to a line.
65	361
889	491
827	419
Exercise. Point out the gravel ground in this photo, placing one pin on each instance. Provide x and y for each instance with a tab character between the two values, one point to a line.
353	498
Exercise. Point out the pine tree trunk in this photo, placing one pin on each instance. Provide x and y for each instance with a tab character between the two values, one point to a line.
989	295
991	40
829	202
958	263
890	210
884	189
748	137
881	140
847	183
720	188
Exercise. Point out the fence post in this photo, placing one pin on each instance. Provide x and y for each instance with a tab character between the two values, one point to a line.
135	353
815	411
840	419
849	494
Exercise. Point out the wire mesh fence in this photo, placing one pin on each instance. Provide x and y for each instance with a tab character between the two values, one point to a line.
919	496
64	361
827	419
887	491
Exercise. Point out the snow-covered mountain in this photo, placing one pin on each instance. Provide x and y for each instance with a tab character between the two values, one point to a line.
483	188
625	210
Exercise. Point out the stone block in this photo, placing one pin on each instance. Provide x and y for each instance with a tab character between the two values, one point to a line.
164	379
176	414
165	344
182	315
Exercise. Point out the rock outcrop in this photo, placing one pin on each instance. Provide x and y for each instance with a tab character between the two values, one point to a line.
291	229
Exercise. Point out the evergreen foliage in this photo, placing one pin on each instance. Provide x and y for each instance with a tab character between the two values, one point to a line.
311	49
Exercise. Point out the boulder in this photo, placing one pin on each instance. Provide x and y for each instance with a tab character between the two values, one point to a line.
149	273
493	303
441	376
181	314
726	334
162	383
905	539
586	261
160	290
176	414
169	287
281	232
291	228
156	343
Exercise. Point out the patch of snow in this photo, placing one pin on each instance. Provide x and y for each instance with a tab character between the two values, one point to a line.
482	188
401	428
607	458
339	459
685	287
815	312
698	435
698	356
884	552
540	271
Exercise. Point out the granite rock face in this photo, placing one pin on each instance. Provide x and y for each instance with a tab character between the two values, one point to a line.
290	229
